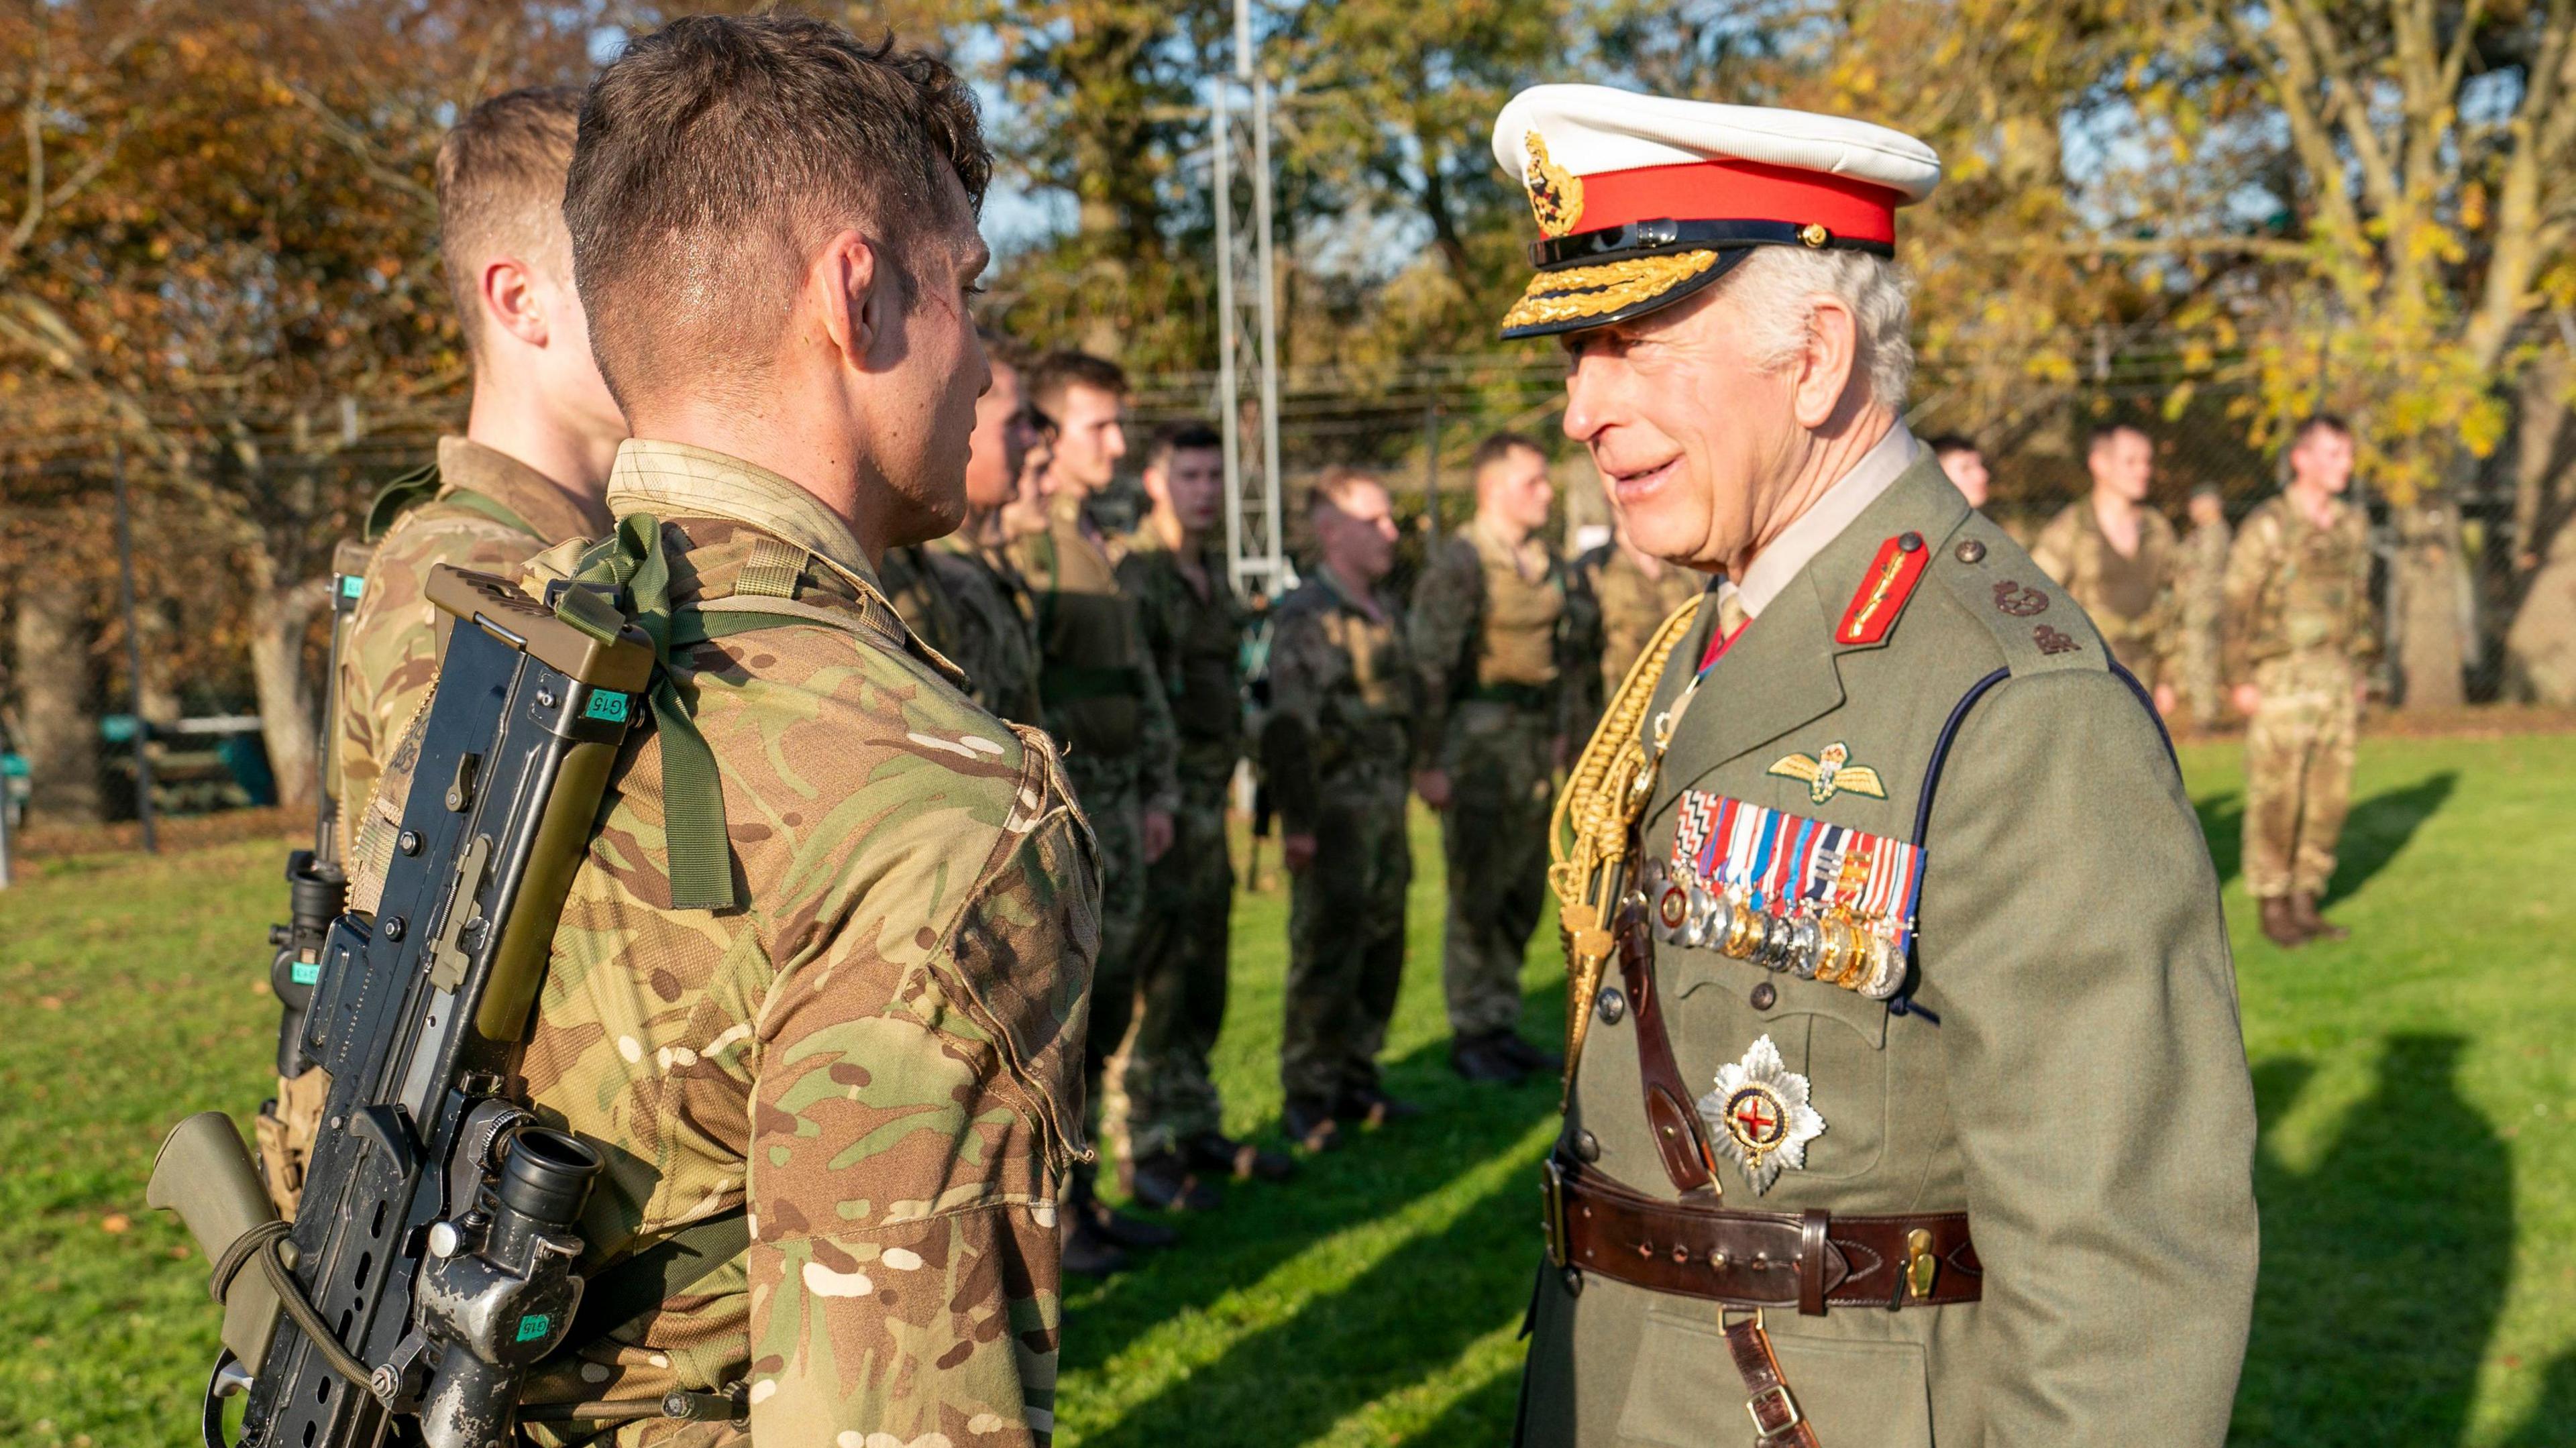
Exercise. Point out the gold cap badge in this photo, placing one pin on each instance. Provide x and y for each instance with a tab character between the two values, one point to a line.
1555	194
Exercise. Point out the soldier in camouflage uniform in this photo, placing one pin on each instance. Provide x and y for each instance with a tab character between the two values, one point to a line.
996	619
2116	556
920	592
1160	1089
2200	584
861	1027
1631	593
1105	701
2300	639
1337	742
538	438
1503	686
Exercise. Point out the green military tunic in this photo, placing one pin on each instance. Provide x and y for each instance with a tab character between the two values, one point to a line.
1503	678
2068	1069
1160	1087
1342	733
2300	629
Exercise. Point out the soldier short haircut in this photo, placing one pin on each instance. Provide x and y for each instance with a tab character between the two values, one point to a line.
2316	422
1334	486
1500	446
2102	436
1181	437
1057	373
1950	443
717	154
501	189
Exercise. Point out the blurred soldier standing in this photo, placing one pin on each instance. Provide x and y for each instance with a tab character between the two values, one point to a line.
838	987
1159	1087
539	438
996	620
1632	592
1503	686
2300	638
1964	464
2200	587
1105	701
2116	556
1341	733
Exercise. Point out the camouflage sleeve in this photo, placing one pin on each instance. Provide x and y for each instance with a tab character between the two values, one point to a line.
1443	627
913	1109
2055	550
2170	633
1300	664
2250	566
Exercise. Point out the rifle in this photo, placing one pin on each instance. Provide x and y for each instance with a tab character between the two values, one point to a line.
430	1261
316	886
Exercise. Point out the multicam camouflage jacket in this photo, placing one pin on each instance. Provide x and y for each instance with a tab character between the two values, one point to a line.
1630	605
1345	699
392	650
877	1056
921	595
1197	644
1104	698
2131	600
2295	589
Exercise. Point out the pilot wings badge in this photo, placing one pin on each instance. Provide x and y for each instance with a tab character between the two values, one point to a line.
1830	773
1761	1115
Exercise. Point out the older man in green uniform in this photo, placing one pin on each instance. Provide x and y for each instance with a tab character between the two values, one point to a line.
1342	732
2115	554
1908	1103
1504	683
2300	638
853	1012
1105	700
1161	1090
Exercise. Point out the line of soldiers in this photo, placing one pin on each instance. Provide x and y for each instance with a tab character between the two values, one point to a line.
2275	622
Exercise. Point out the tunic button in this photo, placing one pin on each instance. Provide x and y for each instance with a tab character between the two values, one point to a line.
1764	995
1909	542
1611	1004
1587	1147
1970	550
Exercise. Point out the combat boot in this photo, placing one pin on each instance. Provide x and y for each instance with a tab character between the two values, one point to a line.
1216	1151
1086	1252
1482	1059
1310	1122
1161	1180
2303	913
1518	1049
1373	1107
2281	923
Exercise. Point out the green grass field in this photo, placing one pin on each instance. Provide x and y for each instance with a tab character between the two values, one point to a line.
2418	1172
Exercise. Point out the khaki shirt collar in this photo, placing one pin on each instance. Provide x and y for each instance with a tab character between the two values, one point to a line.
1529	557
671	479
555	512
1824	521
1358	600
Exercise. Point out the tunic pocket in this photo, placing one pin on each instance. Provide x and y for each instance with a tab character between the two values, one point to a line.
1684	1391
1836	1039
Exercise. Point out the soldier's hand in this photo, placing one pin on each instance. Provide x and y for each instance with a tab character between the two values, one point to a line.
1433	786
1297	852
1158	834
2246	698
2165	698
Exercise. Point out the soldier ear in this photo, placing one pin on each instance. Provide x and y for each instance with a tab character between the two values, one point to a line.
855	296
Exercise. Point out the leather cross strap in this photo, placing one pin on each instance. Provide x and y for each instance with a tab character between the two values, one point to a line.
1669	1111
1776	1416
1811	1260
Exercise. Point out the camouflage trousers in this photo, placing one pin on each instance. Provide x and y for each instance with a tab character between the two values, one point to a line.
1346	941
2298	774
1110	796
1160	1092
1502	785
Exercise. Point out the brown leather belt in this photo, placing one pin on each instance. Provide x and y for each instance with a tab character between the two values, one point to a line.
1811	1260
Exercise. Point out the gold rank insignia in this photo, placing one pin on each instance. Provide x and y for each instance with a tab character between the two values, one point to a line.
1830	774
1555	194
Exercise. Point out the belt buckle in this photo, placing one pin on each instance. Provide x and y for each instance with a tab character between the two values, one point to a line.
1788	1405
1552	1219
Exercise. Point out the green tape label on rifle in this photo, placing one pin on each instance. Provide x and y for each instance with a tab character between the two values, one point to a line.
305	972
607	705
352	584
535	1325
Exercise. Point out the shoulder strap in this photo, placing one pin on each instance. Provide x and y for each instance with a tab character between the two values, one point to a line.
399	497
493	508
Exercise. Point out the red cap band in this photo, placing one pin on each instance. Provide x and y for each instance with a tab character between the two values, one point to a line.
1739	191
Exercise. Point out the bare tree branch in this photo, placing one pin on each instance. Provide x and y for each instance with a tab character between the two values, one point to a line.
357	144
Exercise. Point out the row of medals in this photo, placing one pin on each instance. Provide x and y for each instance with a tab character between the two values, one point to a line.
1830	945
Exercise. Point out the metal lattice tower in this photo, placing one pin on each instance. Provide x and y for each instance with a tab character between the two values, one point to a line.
1247	388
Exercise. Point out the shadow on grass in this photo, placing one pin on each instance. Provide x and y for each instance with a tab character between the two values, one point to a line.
2381	826
2384	1266
1446	1289
2553	1423
2222	823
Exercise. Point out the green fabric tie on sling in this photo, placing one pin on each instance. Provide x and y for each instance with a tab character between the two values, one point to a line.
422	485
693	813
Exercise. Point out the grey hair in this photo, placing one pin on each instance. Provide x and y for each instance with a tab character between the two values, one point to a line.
1770	290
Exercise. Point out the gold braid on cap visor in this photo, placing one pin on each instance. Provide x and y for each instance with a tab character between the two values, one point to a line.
1596	291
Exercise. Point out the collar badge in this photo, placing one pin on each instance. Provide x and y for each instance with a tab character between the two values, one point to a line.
1830	773
1761	1115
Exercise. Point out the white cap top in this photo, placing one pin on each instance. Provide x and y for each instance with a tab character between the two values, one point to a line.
1593	129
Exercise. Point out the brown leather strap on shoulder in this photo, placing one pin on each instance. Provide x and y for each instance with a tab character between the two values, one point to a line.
1776	1417
1669	1111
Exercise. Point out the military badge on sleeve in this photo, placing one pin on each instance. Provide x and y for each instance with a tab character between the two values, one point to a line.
1761	1115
